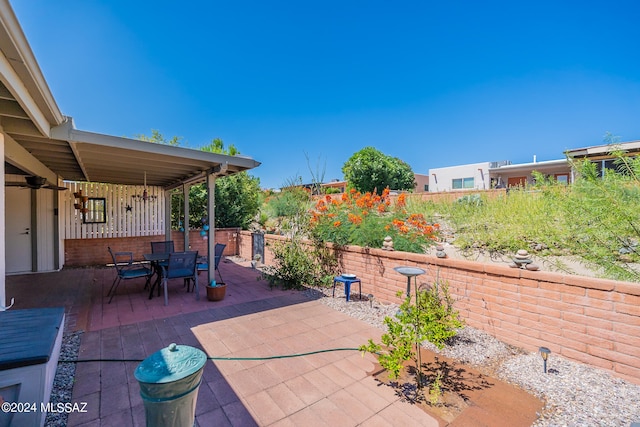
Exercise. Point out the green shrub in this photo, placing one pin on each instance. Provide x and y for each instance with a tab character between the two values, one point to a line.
299	264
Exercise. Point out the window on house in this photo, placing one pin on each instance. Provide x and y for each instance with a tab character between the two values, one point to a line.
426	187
460	183
562	178
96	211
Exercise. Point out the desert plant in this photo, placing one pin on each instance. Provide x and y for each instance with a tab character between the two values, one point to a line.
300	263
365	219
601	214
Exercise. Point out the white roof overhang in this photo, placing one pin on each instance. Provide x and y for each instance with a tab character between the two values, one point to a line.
42	138
539	166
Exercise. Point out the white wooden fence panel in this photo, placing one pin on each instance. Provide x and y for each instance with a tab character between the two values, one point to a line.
127	215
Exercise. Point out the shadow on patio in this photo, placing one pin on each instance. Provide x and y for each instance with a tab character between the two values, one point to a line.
252	321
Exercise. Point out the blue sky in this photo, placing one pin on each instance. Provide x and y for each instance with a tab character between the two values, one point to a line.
302	86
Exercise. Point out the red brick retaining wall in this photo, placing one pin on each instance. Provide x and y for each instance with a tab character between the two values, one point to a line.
88	252
593	321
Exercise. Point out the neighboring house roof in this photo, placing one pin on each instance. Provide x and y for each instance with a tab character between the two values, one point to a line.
547	164
36	128
603	150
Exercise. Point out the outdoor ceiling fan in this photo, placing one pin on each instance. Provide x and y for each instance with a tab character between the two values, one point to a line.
35	182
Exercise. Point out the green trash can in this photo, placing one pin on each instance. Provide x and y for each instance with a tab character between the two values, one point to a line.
169	382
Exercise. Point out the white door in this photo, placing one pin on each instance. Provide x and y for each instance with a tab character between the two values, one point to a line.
17	229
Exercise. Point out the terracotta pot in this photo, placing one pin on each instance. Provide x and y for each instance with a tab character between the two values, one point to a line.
216	293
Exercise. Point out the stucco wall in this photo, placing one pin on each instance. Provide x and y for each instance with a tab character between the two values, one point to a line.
594	321
440	179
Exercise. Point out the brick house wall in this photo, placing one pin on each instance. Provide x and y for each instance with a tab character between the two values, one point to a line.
593	321
92	252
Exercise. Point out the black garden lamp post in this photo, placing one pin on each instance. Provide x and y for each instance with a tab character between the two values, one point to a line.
544	352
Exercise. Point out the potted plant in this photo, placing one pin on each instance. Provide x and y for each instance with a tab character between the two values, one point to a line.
216	291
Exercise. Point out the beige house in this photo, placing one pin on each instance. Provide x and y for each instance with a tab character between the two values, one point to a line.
44	152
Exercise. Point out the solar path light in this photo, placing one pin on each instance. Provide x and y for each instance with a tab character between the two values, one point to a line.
544	352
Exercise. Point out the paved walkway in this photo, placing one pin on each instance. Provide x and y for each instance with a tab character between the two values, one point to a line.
331	388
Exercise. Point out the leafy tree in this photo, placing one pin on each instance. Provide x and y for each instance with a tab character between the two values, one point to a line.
369	170
156	137
237	196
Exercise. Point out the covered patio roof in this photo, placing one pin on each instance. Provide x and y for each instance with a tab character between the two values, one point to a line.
42	141
77	155
36	139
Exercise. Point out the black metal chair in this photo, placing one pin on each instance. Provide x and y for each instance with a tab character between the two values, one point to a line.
123	263
181	265
165	247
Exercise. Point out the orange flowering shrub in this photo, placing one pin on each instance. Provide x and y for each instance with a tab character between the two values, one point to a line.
366	219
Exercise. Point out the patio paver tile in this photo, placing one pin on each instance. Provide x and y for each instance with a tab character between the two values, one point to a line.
322	382
362	392
238	415
117	419
114	375
207	401
264	409
217	418
114	399
307	418
223	391
333	414
357	410
245	383
337	375
406	414
92	407
304	390
286	399
264	376
290	368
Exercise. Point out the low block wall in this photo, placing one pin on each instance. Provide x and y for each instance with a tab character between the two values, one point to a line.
593	321
90	252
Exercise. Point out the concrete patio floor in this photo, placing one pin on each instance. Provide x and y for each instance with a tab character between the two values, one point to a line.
331	388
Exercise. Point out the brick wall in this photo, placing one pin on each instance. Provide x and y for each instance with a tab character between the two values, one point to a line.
88	252
593	321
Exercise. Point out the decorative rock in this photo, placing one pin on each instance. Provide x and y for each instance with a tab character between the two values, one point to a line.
522	260
440	253
387	245
513	265
532	267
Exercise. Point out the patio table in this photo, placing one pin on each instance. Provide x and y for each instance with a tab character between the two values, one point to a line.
155	259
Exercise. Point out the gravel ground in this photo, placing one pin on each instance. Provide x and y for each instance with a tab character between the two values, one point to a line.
574	394
64	379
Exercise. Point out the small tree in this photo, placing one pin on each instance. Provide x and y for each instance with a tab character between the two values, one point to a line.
430	317
370	169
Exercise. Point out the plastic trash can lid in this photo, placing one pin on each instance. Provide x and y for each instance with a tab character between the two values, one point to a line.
170	364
